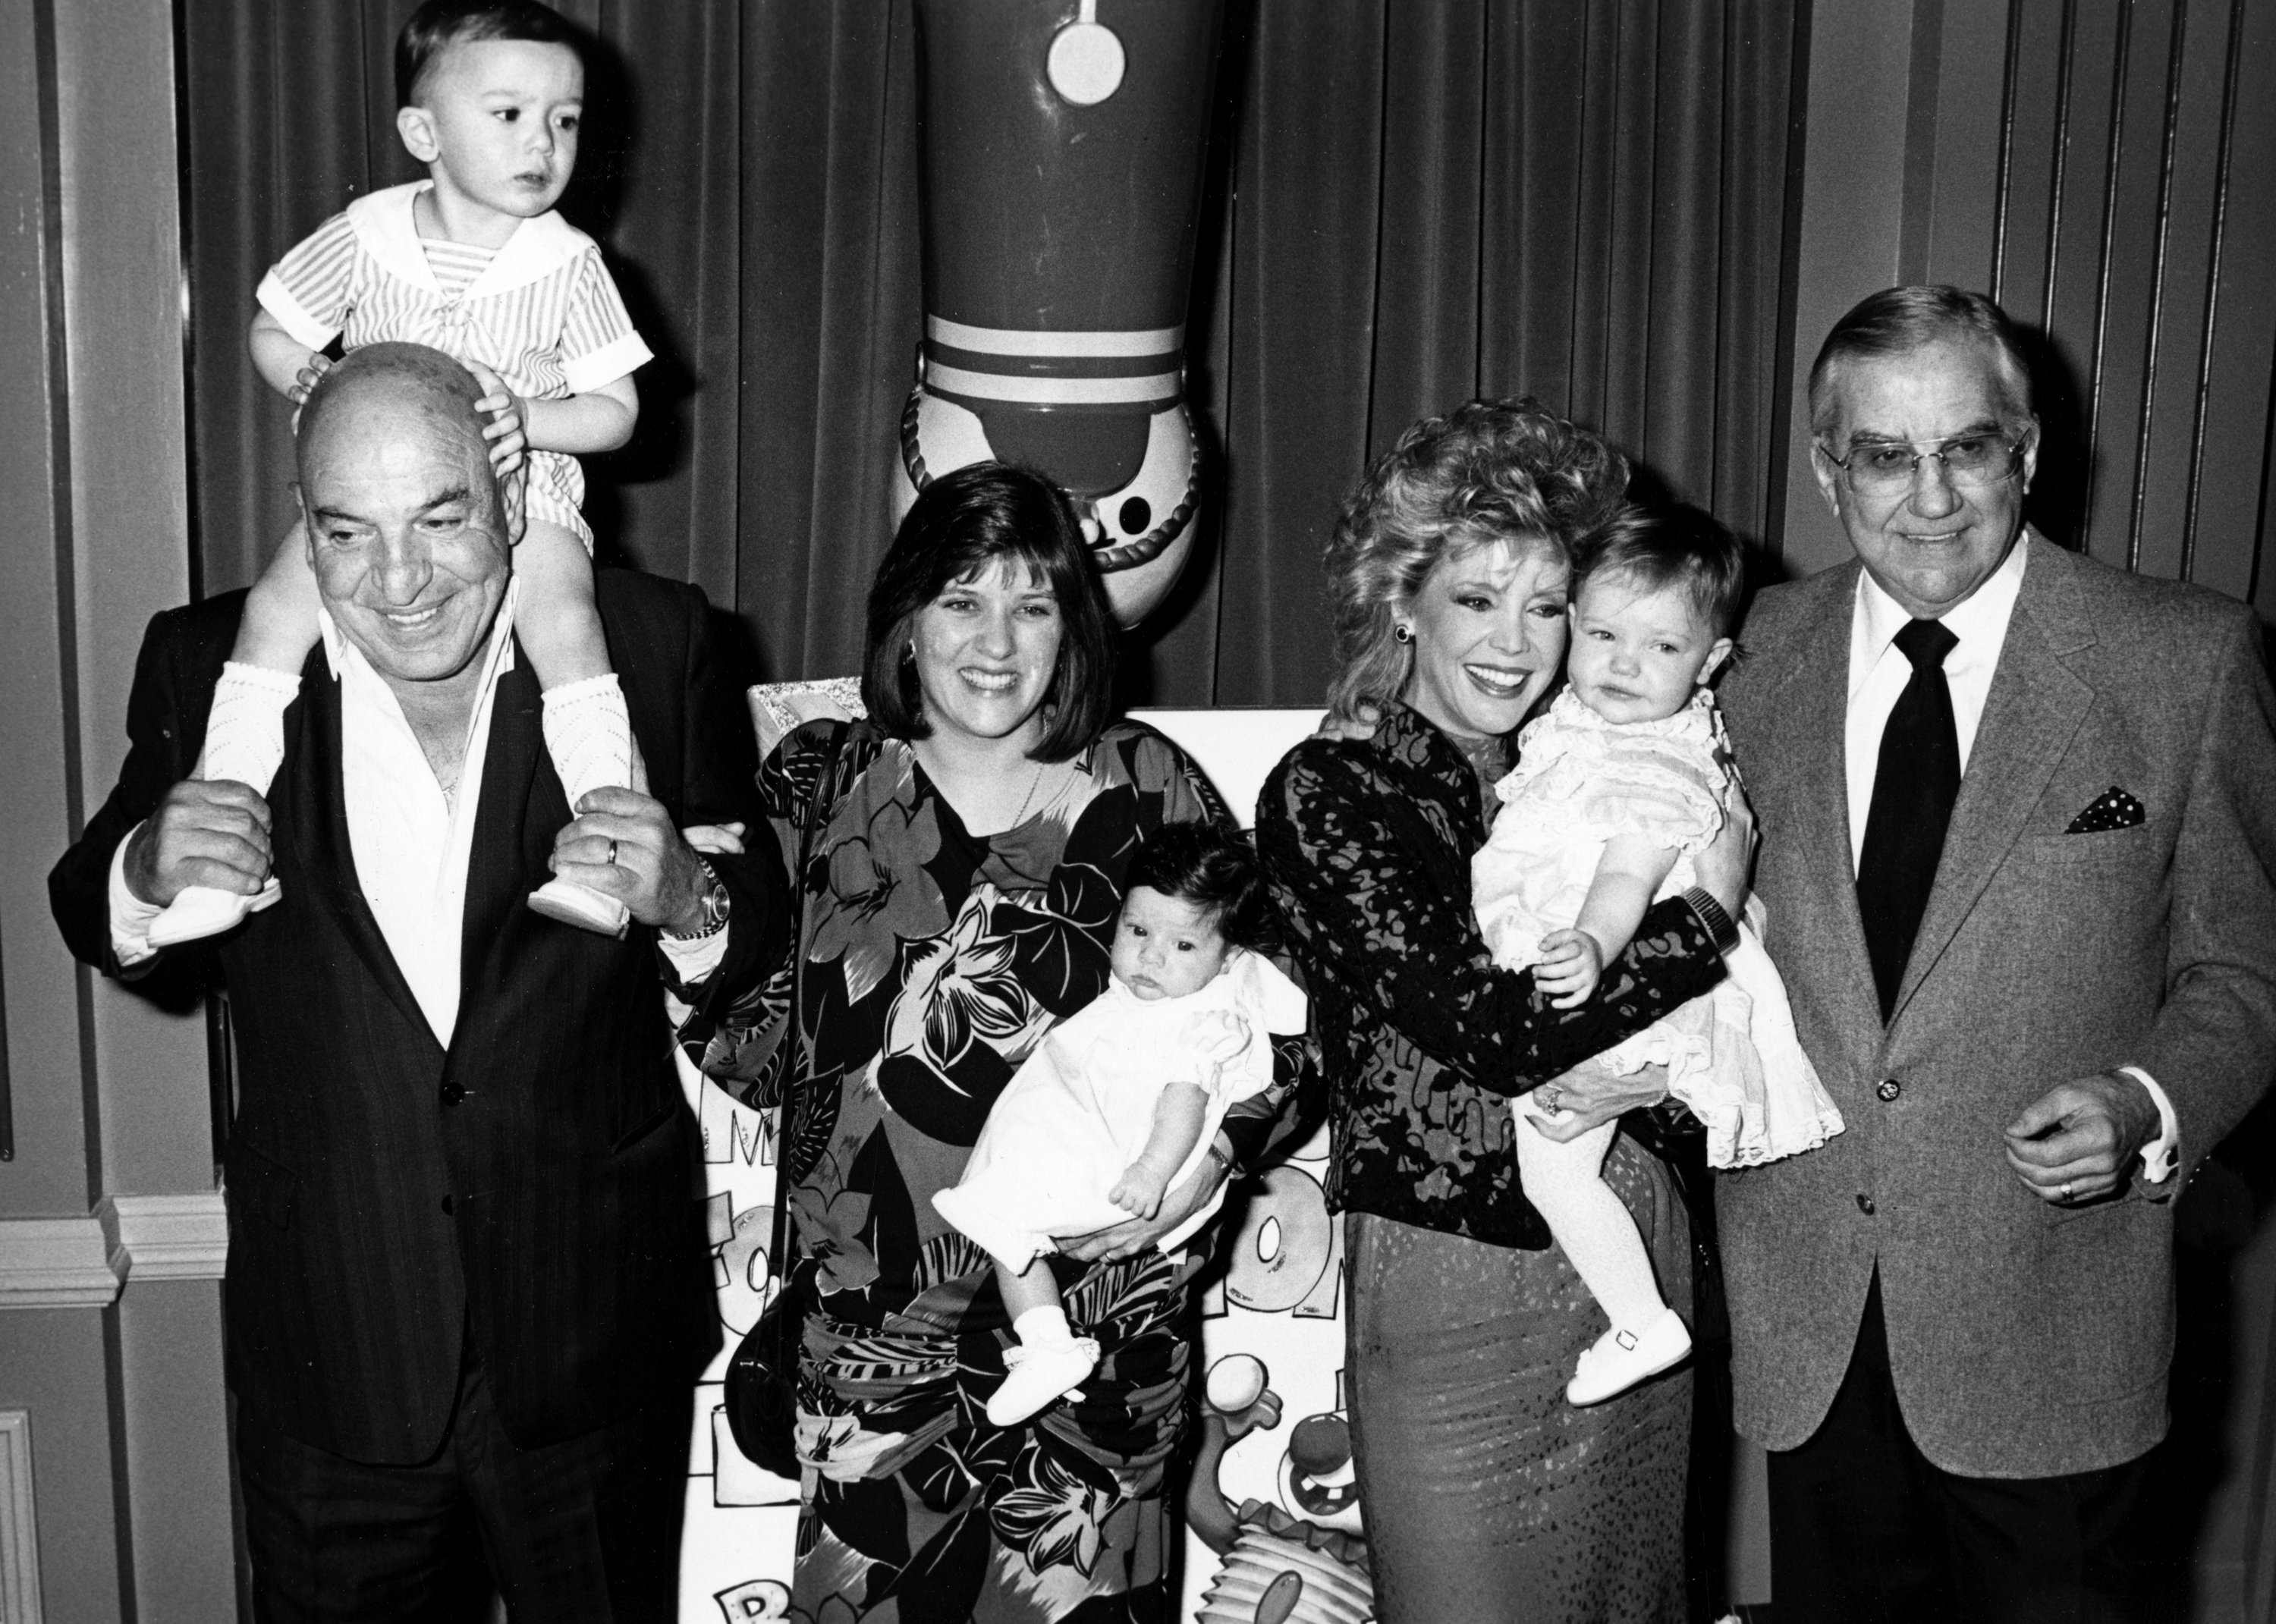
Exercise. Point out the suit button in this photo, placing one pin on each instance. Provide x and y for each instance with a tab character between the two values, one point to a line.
453	1092
449	1206
1888	1088
1865	1205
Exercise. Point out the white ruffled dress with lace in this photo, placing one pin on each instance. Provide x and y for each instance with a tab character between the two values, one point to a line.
1080	1110
1731	1055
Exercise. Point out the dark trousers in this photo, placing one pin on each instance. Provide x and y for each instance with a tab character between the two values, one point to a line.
1864	1528
584	1529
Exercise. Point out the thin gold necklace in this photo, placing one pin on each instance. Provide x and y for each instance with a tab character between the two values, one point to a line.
1034	783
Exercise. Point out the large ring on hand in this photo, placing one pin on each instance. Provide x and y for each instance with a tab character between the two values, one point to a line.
1552	1098
612	862
2064	1194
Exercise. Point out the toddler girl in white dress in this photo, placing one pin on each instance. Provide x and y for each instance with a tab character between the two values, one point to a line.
1625	776
1122	1100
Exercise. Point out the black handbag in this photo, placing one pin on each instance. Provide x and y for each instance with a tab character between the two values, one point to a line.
761	1389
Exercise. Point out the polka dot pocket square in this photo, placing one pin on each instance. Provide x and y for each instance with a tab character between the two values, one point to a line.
2113	808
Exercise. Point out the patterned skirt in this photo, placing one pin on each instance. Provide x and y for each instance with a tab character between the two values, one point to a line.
1488	1496
916	1509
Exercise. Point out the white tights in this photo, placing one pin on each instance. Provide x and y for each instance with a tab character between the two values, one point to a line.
1565	1183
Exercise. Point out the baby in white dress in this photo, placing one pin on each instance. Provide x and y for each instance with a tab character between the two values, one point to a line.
1123	1099
1623	779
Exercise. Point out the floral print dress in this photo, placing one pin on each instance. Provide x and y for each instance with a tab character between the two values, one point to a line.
935	961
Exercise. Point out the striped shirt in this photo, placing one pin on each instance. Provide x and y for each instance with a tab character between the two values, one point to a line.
542	312
457	266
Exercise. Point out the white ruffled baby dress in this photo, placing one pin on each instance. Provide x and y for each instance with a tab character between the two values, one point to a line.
1731	1055
1078	1113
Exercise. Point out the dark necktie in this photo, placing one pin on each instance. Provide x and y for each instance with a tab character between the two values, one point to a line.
1914	787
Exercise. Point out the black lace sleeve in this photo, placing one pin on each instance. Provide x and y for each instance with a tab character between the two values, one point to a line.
1377	898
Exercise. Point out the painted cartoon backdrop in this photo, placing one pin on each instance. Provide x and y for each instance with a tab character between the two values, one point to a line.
1273	1535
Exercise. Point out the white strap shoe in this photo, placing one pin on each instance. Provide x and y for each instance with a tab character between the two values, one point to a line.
1620	1358
200	911
1039	1376
580	906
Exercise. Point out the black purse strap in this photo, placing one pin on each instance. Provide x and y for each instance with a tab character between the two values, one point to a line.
779	1240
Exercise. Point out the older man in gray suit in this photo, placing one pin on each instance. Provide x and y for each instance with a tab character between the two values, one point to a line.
2018	816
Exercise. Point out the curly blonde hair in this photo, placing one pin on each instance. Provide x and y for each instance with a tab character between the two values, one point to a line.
1490	471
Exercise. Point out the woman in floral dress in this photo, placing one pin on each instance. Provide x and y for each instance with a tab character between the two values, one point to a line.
964	851
1487	1497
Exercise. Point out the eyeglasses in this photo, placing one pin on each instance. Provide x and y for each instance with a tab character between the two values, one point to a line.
1971	461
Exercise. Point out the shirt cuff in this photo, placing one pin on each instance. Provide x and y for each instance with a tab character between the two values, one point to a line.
694	960
2162	1154
291	315
619	358
130	916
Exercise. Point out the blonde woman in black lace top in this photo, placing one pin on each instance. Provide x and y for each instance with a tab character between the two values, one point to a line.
1486	1496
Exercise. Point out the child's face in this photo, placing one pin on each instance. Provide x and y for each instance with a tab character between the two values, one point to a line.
1165	947
496	123
1638	653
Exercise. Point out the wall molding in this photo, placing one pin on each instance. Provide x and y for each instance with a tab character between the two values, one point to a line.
165	1237
20	1543
54	1263
83	1262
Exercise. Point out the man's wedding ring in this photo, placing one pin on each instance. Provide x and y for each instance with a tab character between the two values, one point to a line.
612	863
2065	1194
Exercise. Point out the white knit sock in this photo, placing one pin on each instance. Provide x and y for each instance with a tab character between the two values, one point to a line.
244	732
1042	1327
589	735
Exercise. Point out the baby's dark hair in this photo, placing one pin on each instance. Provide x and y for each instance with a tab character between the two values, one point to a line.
1214	868
1681	546
440	23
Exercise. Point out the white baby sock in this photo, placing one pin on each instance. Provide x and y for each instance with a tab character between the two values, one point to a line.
589	734
1042	1327
244	732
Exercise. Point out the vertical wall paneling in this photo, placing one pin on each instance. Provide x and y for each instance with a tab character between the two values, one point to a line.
122	279
2132	208
39	989
20	1543
107	1091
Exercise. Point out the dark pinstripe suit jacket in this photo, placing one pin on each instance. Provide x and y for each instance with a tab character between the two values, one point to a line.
569	1255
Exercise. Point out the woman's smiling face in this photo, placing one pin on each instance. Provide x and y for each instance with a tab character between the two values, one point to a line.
1490	628
985	650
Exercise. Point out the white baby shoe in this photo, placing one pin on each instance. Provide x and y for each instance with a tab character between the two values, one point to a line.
568	903
1038	1377
1620	1358
199	911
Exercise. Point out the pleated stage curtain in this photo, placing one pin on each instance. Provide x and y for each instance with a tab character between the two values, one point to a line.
1411	201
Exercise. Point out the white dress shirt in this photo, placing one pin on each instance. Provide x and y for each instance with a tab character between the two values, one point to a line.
1878	672
412	842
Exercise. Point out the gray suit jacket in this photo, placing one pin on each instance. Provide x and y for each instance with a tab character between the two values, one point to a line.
2026	1340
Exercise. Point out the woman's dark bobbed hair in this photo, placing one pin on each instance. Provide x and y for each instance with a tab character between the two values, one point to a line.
1214	868
960	524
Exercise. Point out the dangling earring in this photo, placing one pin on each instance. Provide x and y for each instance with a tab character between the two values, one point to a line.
1403	634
